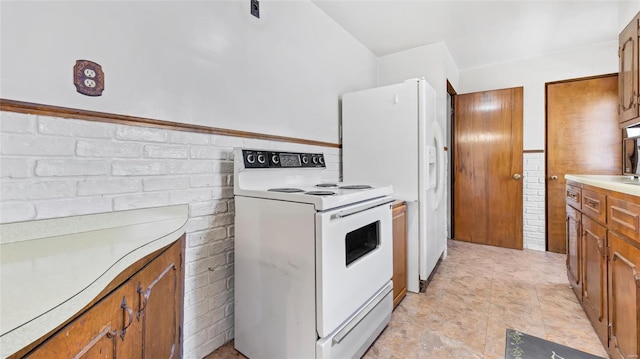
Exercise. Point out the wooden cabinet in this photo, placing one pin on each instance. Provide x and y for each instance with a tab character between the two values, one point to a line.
624	297
160	297
98	333
574	258
140	318
399	252
624	276
628	77
594	274
604	264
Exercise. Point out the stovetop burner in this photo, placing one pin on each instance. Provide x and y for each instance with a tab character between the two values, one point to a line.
286	190
320	193
327	185
356	186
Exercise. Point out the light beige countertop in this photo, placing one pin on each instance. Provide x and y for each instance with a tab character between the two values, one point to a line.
51	269
623	184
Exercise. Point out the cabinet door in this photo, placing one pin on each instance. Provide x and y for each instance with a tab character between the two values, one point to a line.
103	331
573	251
624	297
160	291
628	75
399	253
594	269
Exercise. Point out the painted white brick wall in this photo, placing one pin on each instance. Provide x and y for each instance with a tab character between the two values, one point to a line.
53	167
534	201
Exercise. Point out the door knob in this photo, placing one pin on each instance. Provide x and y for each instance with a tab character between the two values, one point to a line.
554	177
516	176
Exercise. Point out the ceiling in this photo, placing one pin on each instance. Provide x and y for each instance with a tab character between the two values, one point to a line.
476	32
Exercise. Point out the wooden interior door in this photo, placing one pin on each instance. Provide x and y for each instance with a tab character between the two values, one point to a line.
583	137
487	173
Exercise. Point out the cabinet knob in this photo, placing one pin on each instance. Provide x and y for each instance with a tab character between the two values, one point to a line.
554	178
516	176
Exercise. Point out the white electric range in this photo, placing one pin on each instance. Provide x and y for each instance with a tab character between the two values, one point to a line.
313	260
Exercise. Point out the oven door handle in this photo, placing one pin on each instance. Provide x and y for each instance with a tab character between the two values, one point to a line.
362	208
363	313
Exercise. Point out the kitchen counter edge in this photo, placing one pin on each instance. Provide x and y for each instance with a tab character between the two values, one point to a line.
175	218
623	184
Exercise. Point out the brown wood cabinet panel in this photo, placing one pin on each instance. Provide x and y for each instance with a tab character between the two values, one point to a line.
98	333
624	297
628	78
574	271
608	255
160	312
594	205
399	252
624	216
574	196
594	274
140	318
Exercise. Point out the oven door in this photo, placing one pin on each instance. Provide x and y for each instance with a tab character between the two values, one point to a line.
354	259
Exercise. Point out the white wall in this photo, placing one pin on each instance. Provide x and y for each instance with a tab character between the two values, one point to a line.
199	62
433	62
533	73
533	206
626	11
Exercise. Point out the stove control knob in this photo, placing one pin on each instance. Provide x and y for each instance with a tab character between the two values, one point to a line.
251	158
315	160
261	158
321	160
275	159
305	160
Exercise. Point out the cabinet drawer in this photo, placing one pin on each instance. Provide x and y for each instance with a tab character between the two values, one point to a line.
594	205
574	196
624	217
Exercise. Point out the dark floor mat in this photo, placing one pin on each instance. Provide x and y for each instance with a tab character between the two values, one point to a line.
524	346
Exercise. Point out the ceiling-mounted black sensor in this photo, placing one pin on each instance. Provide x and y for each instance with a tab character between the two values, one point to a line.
255	8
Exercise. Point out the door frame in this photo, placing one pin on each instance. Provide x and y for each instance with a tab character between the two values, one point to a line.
546	147
451	94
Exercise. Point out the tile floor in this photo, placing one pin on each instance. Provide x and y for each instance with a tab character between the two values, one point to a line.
476	293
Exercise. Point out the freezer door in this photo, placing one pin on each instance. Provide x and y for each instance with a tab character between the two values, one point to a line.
380	137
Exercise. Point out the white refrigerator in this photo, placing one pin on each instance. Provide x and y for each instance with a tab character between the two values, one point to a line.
391	135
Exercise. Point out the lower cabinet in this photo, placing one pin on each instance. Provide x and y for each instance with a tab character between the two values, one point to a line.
104	331
399	252
594	274
603	265
574	271
624	297
160	296
141	318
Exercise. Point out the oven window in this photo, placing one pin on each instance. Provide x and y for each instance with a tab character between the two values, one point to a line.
362	241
